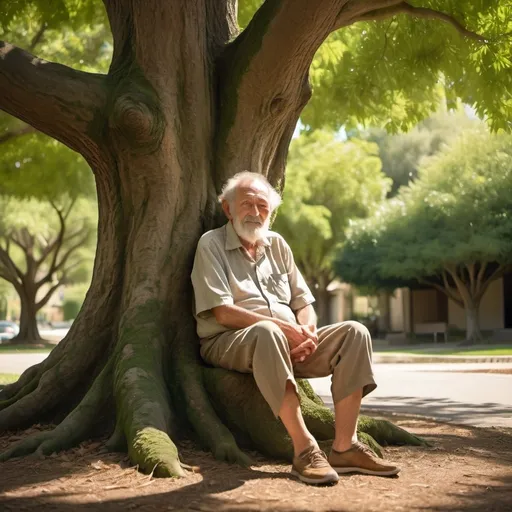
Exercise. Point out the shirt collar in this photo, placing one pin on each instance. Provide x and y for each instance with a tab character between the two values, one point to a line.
233	241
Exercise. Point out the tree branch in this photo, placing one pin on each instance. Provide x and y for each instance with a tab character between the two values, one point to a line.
502	269
38	36
417	12
265	69
10	266
63	103
47	296
446	290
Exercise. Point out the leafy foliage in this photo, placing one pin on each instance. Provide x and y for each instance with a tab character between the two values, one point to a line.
393	73
457	212
329	182
402	153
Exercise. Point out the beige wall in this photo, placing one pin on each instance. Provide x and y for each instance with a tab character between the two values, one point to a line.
336	307
491	309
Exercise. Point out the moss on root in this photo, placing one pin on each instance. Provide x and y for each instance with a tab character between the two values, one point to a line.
153	452
241	406
143	404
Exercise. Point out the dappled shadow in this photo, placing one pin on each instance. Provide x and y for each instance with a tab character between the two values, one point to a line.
442	409
488	497
202	496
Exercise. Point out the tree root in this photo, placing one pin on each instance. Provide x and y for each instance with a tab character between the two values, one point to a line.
386	433
241	406
73	429
191	377
142	400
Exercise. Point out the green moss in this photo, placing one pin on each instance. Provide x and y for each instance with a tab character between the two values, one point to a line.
386	433
153	451
142	399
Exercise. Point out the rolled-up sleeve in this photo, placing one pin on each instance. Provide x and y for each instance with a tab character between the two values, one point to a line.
301	295
211	286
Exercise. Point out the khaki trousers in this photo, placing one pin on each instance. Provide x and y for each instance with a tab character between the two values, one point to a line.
344	351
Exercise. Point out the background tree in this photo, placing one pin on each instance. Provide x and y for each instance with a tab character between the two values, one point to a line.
188	101
451	229
43	246
328	183
402	153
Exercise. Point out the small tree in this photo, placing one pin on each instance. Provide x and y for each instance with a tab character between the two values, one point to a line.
43	246
329	182
451	229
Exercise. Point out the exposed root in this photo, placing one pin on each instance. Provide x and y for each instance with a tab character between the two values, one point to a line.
241	406
386	433
26	377
143	404
192	378
73	429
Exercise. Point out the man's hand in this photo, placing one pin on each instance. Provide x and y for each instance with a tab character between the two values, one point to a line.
297	334
307	347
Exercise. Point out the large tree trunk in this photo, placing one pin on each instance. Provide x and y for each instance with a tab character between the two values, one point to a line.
29	333
473	333
166	130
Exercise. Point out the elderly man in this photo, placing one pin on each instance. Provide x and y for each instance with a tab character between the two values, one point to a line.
254	314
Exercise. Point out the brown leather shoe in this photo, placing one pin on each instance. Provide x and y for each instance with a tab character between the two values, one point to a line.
360	459
311	467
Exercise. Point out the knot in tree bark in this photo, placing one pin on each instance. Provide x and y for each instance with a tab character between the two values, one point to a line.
138	119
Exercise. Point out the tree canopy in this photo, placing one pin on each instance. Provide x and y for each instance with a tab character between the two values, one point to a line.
329	183
451	228
402	153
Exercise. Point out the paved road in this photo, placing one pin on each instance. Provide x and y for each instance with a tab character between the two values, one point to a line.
434	390
439	391
17	363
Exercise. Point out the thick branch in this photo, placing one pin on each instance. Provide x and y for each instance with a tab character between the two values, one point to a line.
10	268
502	269
264	84
59	101
417	12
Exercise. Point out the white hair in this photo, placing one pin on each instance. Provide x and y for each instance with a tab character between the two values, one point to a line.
229	188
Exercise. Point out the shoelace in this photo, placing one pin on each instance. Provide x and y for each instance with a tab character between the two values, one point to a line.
360	447
318	459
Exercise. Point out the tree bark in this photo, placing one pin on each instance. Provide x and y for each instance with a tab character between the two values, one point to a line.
473	332
29	332
185	105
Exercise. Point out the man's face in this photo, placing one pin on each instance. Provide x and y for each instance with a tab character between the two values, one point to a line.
251	215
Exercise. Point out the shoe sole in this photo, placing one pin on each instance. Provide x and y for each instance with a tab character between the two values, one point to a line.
330	479
342	471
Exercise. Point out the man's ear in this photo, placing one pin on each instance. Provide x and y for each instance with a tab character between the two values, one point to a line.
225	208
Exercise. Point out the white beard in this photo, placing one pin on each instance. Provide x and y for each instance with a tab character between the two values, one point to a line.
251	231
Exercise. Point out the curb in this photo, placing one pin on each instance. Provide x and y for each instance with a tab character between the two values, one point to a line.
380	357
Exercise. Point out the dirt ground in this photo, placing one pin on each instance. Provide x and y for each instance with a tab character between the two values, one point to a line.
466	469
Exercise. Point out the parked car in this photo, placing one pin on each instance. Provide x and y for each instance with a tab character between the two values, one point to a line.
8	330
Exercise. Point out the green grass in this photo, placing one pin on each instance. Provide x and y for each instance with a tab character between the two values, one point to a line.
7	378
440	350
42	348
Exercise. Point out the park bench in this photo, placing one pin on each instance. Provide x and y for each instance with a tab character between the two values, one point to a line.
432	328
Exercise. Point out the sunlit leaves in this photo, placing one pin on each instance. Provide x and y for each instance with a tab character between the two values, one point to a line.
456	212
329	182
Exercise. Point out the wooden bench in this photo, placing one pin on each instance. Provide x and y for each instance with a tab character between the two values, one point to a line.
433	328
